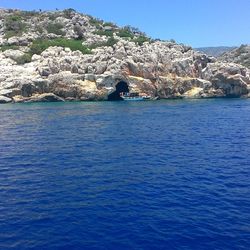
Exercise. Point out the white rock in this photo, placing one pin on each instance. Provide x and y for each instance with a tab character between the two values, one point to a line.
36	58
13	54
4	99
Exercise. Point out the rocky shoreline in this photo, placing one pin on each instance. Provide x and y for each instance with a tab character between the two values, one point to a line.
161	69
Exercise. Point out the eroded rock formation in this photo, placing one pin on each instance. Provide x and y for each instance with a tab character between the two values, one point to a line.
157	68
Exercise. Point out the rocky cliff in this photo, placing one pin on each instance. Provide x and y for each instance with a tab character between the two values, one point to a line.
64	55
239	55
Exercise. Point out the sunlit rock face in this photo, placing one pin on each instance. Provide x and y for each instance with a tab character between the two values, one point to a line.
156	68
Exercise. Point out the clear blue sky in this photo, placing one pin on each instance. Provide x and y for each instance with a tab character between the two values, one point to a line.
194	22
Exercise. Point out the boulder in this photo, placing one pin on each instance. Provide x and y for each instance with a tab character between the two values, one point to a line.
36	58
13	54
4	99
10	92
13	41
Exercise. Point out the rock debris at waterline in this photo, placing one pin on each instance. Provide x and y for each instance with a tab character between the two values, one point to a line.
156	68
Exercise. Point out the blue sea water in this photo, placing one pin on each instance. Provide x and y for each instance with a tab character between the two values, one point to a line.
125	175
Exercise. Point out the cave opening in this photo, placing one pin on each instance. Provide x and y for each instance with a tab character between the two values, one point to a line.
121	86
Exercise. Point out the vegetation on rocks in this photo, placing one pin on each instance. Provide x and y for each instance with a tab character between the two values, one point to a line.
125	32
68	13
70	43
141	40
110	54
110	43
95	22
6	47
55	28
26	58
40	45
27	14
108	33
109	24
39	29
14	26
52	16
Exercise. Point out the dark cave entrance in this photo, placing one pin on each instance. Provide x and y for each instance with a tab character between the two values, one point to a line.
120	87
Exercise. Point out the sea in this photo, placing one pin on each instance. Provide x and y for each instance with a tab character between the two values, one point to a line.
170	174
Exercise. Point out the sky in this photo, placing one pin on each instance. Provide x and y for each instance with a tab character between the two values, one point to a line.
199	23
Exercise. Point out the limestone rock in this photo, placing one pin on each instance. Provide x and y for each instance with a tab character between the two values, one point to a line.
46	97
10	92
195	92
36	57
4	99
13	54
157	68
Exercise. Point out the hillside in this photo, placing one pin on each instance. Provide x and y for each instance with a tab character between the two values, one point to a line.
215	51
65	55
239	55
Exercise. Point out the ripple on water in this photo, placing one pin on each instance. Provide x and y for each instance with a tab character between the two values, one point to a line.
149	175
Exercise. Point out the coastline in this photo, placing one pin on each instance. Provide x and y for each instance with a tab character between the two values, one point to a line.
78	57
144	101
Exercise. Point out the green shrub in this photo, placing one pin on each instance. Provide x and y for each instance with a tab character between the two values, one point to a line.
26	58
53	16
125	33
68	13
39	29
109	24
55	28
141	40
6	47
13	18
14	26
104	33
110	42
134	30
40	45
96	22
11	33
28	14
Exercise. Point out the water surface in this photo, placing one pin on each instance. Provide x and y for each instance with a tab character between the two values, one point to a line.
125	175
